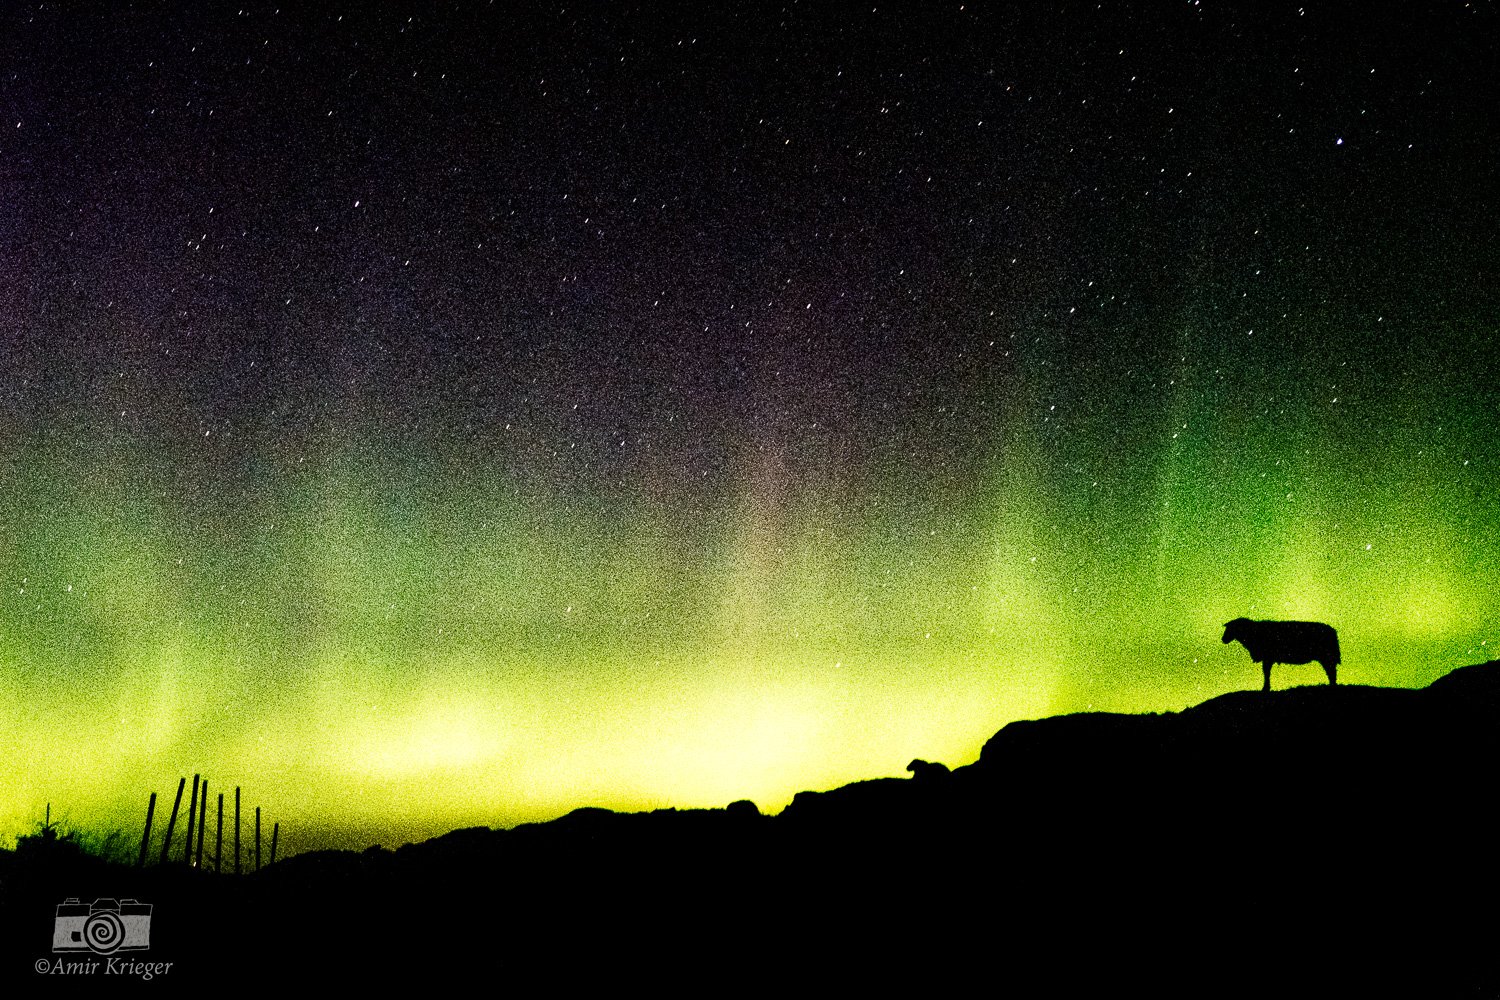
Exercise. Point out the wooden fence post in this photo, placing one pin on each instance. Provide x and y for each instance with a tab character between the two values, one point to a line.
257	838
146	837
236	829
219	839
187	853
202	824
275	832
166	844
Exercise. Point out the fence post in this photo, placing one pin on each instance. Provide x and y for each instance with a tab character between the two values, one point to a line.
146	837
202	823
275	832
257	838
219	839
187	854
166	844
236	829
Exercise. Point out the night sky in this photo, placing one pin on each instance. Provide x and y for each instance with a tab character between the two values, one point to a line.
460	413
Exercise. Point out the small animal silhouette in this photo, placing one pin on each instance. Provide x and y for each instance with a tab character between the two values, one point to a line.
1270	643
922	770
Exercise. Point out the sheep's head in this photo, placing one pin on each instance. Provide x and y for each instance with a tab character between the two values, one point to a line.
1232	629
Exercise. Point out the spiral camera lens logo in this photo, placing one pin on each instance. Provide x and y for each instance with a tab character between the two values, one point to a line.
103	927
104	932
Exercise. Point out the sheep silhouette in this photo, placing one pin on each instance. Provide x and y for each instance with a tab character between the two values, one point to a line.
926	771
1270	643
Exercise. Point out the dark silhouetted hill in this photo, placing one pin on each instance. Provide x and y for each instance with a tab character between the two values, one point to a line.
1339	836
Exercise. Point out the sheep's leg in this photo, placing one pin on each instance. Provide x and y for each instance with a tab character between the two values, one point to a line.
1267	667
1332	670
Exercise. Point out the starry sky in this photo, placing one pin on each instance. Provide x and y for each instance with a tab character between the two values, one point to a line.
455	413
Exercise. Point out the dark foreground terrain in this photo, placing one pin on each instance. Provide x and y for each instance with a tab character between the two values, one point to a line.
1313	841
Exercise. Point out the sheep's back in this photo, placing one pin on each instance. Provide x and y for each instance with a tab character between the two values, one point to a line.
1291	642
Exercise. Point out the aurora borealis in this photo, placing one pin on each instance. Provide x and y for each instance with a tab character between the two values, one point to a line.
456	414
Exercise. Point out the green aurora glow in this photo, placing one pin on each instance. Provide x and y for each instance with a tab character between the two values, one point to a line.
459	419
397	647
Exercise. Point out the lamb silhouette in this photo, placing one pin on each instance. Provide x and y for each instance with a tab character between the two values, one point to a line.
925	771
1270	643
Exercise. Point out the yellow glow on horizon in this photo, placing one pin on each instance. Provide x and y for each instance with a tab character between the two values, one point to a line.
478	743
